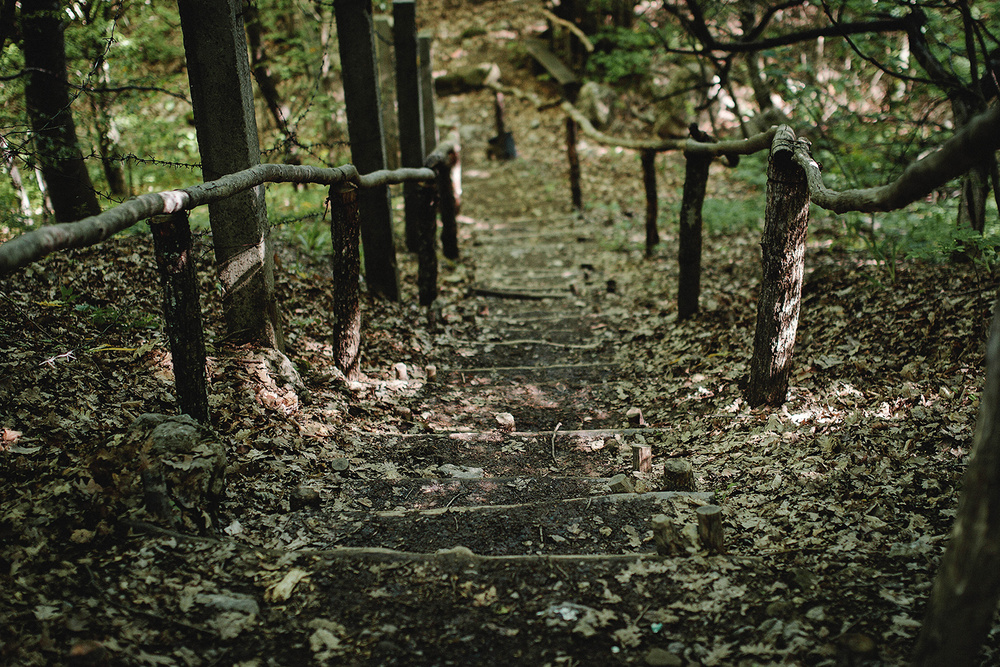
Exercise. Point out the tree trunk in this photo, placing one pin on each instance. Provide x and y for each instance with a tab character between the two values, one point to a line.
966	590
424	42
364	127
344	232
47	100
411	125
219	73
385	59
574	165
15	180
786	218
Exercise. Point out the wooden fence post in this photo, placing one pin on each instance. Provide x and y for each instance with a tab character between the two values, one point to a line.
783	246
447	201
345	227
689	239
182	311
411	127
427	264
364	128
652	200
574	164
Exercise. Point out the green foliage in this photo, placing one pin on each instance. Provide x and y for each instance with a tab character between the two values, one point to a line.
622	53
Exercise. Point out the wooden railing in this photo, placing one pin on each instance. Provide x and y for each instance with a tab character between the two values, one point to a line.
167	212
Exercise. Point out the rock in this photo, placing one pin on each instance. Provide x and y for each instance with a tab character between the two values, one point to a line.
169	469
432	372
399	372
505	421
467	79
635	418
621	484
303	496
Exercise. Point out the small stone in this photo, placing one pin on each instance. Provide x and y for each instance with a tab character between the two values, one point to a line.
431	371
303	496
505	420
399	372
460	472
659	657
621	484
340	464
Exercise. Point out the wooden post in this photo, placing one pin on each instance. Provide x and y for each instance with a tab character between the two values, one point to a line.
386	63
678	475
446	169
344	232
652	201
783	248
668	540
364	126
574	164
710	529
411	126
427	265
182	311
689	239
642	458
424	41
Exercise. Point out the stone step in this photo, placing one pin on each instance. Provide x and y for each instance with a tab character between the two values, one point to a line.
604	524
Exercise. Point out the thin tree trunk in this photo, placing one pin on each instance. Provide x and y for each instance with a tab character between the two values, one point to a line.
966	590
267	81
411	125
47	100
786	218
364	126
15	179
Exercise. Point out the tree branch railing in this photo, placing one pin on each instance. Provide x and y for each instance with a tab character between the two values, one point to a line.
168	221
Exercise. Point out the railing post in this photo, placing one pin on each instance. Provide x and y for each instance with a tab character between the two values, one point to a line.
182	311
345	227
446	171
652	200
427	264
689	239
574	164
425	58
783	247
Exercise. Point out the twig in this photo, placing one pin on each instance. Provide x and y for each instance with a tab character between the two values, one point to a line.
554	431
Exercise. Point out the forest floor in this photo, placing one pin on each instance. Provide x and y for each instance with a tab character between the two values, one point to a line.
395	520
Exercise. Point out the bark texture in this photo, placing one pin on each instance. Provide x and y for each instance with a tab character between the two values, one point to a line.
46	97
786	218
967	588
345	227
364	128
222	97
182	311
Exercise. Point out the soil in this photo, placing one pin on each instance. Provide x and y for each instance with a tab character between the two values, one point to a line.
399	522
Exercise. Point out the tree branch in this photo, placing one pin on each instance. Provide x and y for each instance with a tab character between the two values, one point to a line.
977	140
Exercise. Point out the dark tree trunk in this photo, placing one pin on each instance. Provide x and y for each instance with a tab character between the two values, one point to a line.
786	218
344	231
652	200
182	311
427	268
47	100
966	590
689	239
364	126
219	73
411	126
